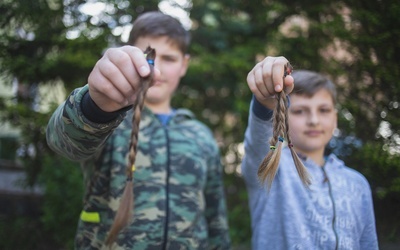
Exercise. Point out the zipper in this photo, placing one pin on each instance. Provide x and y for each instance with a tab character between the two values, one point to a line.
164	245
326	179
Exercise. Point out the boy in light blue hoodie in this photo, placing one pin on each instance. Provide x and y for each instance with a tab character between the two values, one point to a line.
336	210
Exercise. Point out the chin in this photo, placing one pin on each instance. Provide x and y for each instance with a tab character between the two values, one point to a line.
153	100
154	95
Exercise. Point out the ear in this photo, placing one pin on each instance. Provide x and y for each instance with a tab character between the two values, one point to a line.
185	64
335	121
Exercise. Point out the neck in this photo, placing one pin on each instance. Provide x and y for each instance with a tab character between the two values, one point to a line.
159	108
315	156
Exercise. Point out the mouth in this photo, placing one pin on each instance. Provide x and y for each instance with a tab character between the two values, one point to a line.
156	83
313	133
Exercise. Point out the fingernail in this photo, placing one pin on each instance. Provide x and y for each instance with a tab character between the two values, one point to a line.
278	88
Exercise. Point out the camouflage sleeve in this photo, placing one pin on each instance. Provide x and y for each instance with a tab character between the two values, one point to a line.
216	213
71	134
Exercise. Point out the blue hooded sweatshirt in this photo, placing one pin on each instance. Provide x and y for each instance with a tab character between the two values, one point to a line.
335	212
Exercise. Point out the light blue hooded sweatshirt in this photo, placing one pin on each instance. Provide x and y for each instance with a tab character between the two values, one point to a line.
336	212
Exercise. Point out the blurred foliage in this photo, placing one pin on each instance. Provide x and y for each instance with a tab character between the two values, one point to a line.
62	180
60	208
356	43
13	228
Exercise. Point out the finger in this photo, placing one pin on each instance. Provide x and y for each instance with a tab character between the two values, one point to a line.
102	91
288	84
138	60
259	81
268	74
278	71
252	82
125	71
118	82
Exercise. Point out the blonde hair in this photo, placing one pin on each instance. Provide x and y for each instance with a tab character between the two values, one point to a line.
269	166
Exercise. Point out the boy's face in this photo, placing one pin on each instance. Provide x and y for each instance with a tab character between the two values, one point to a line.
312	121
172	64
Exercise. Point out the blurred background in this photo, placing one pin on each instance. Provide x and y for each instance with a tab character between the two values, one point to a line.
48	47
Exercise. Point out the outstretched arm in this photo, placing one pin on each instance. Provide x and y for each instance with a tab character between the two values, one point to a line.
265	80
80	126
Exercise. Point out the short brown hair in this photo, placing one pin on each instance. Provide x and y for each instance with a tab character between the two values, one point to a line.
309	82
156	24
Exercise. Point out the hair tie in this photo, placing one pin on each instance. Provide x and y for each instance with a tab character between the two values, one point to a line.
150	61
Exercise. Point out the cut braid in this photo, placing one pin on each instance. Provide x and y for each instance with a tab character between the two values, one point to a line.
301	169
269	166
125	210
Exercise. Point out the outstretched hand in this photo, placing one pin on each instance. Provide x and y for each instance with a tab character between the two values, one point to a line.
116	77
267	78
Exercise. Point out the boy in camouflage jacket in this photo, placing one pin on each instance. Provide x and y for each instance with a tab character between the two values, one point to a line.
178	188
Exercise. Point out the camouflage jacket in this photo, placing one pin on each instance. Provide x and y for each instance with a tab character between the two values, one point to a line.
178	188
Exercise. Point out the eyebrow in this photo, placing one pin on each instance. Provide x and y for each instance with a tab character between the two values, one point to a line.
170	56
308	106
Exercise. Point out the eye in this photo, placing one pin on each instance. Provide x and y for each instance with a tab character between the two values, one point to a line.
297	111
325	110
170	59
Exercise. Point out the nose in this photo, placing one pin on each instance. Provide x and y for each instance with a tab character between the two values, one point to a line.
158	65
313	118
156	61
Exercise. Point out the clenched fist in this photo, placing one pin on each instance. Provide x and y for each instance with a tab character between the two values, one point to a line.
114	80
267	78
